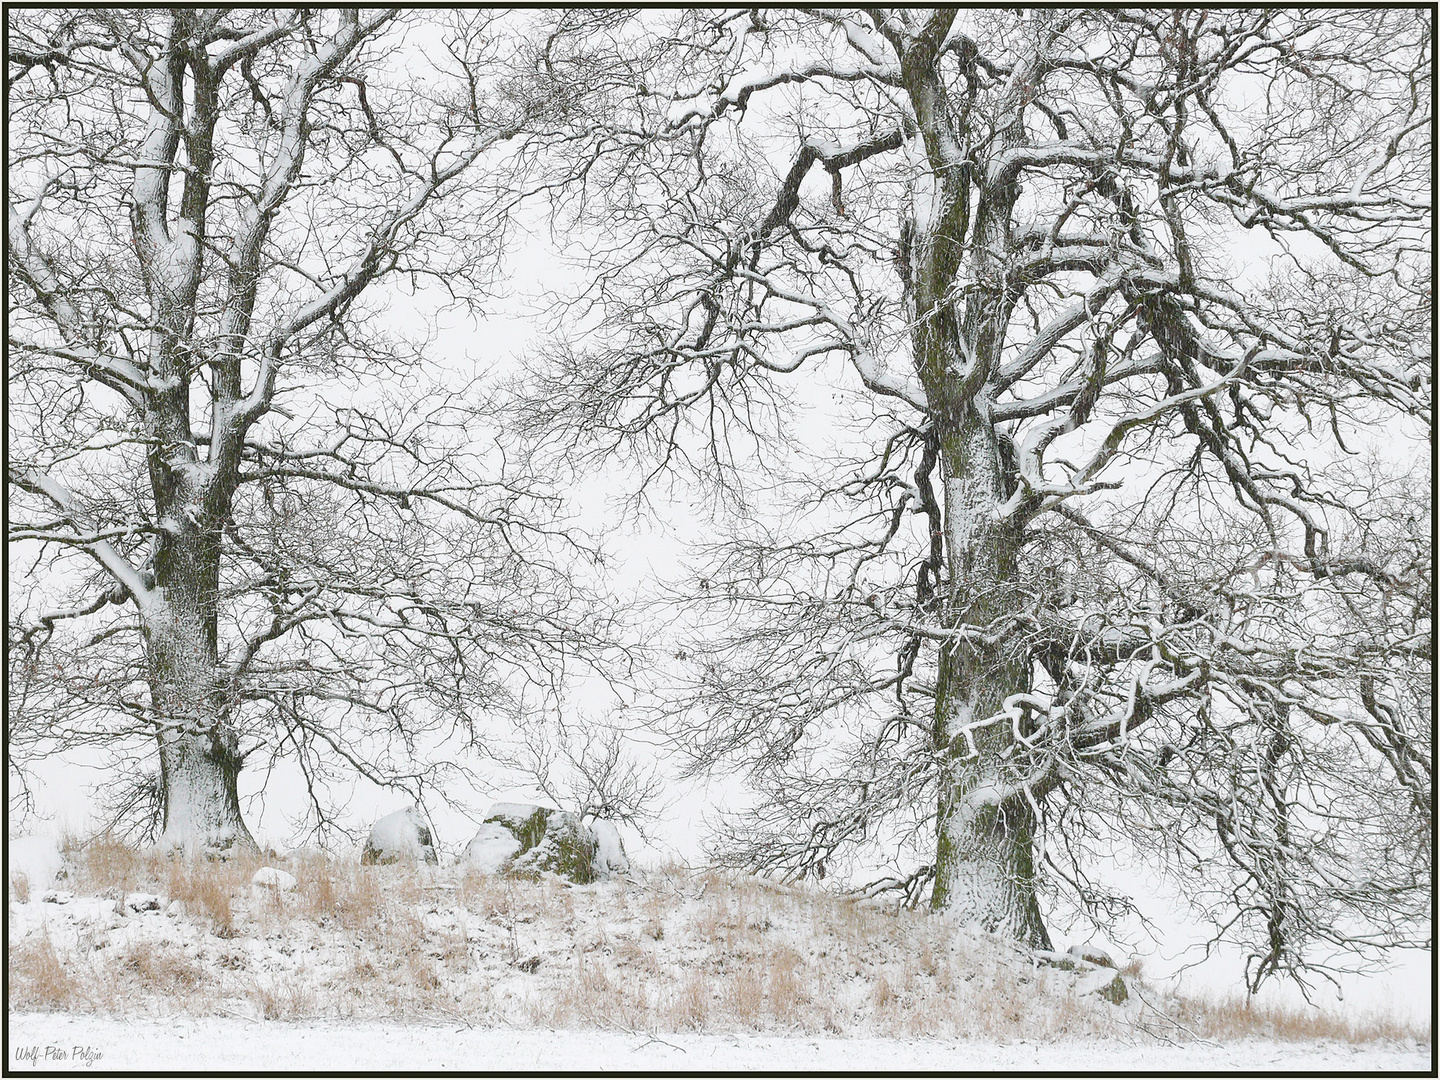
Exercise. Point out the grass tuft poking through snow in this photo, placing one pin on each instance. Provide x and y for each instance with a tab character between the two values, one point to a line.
36	975
671	950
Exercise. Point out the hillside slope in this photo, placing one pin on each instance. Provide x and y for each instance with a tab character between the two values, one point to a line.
668	954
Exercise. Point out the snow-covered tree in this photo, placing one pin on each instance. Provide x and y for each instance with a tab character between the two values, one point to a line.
246	520
1133	307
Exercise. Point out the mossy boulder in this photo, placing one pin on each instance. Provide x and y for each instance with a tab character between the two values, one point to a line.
567	848
1092	954
1115	991
492	849
524	822
1106	984
529	840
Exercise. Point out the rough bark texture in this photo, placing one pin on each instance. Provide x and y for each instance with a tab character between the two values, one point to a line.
199	752
984	867
984	856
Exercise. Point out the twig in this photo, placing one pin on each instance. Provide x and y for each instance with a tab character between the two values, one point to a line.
453	1015
649	1036
1167	1019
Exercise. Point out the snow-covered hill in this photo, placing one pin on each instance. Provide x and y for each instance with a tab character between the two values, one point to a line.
670	962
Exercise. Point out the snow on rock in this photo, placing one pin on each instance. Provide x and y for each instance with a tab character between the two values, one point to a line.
1106	984
491	849
526	822
268	877
568	848
1092	955
610	853
401	837
37	859
1066	961
531	840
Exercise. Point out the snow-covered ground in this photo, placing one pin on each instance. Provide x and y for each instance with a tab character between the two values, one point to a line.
138	963
220	1043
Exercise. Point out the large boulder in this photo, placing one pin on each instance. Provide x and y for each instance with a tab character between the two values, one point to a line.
1106	984
567	848
492	849
401	837
521	839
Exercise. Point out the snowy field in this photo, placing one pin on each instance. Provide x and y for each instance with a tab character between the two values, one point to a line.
138	963
233	1044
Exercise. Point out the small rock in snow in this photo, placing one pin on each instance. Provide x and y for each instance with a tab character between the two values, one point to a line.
400	837
1115	991
1106	984
1063	961
268	877
1091	955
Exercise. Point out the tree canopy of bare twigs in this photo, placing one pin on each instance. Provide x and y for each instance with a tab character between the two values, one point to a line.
1133	310
248	521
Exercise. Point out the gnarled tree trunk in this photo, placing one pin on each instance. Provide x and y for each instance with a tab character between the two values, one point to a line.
199	751
984	868
959	232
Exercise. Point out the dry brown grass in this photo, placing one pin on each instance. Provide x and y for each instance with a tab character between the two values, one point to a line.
160	965
786	990
477	891
37	978
744	996
739	954
1235	1016
689	1005
105	864
286	997
349	896
205	888
884	994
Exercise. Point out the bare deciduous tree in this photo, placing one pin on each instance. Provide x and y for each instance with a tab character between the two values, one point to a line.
296	546
1125	294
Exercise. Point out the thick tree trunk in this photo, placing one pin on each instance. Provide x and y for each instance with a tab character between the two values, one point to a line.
199	758
984	869
202	808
